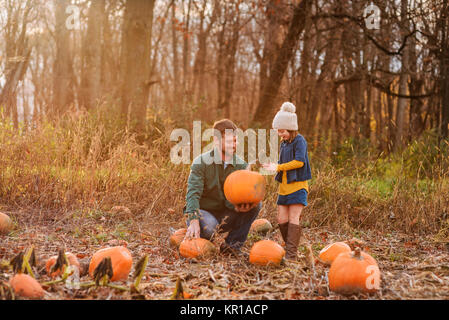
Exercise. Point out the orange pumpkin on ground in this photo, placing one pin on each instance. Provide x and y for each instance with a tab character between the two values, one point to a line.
331	251
26	286
196	248
177	237
266	252
5	223
261	226
73	261
244	186
354	272
121	259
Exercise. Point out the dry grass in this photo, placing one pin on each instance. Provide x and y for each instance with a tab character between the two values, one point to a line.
59	183
85	161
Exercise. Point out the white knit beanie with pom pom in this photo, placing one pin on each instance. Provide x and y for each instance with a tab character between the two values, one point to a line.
286	118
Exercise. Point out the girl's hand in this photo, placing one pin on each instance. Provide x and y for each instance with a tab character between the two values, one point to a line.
270	166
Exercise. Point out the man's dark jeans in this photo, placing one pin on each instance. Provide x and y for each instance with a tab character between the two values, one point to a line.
236	223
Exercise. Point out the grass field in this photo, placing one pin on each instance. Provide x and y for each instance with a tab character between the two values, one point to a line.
59	182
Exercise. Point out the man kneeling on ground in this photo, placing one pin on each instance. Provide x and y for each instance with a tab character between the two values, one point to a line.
206	206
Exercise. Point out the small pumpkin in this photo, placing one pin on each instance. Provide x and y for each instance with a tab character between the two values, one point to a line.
121	259
331	251
177	237
26	286
354	272
244	186
73	261
5	224
266	252
196	248
261	226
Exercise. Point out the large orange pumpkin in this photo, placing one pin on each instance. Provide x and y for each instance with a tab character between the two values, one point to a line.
177	237
331	251
121	259
244	186
5	223
196	248
261	226
354	272
266	252
26	286
73	261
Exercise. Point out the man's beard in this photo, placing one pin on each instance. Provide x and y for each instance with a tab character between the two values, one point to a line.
228	152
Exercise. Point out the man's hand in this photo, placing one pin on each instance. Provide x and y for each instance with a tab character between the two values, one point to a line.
244	207
193	231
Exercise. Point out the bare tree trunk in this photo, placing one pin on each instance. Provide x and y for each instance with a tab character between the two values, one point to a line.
136	42
273	40
17	56
391	123
198	83
349	121
92	54
377	113
415	86
63	94
270	90
336	136
174	35
186	51
403	79
444	63
228	38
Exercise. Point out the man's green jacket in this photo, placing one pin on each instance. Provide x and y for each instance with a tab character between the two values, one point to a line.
205	183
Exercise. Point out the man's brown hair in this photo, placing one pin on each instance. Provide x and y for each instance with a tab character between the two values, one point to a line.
224	124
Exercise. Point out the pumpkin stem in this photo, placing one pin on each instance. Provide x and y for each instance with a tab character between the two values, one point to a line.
357	253
178	293
17	263
26	261
140	269
61	262
103	272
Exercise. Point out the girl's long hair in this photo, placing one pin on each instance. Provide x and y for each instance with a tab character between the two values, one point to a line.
293	134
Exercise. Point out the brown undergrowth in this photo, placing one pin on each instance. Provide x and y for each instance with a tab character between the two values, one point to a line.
60	182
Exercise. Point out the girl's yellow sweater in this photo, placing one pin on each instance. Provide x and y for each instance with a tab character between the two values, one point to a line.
288	188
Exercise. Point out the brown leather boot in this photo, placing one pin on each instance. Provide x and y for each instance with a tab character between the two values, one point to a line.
291	246
283	227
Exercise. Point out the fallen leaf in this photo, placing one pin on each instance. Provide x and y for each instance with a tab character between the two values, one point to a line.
187	295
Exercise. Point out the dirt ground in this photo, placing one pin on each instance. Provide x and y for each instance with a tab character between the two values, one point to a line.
411	267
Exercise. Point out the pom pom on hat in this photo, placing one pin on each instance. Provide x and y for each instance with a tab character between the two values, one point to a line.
286	117
288	107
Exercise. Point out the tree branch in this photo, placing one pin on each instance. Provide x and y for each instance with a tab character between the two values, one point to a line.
375	82
360	22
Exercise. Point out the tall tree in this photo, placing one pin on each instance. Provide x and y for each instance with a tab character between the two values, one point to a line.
18	53
63	94
403	80
92	54
228	37
271	88
136	40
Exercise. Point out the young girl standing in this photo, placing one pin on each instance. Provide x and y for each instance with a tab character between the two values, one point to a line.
293	171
